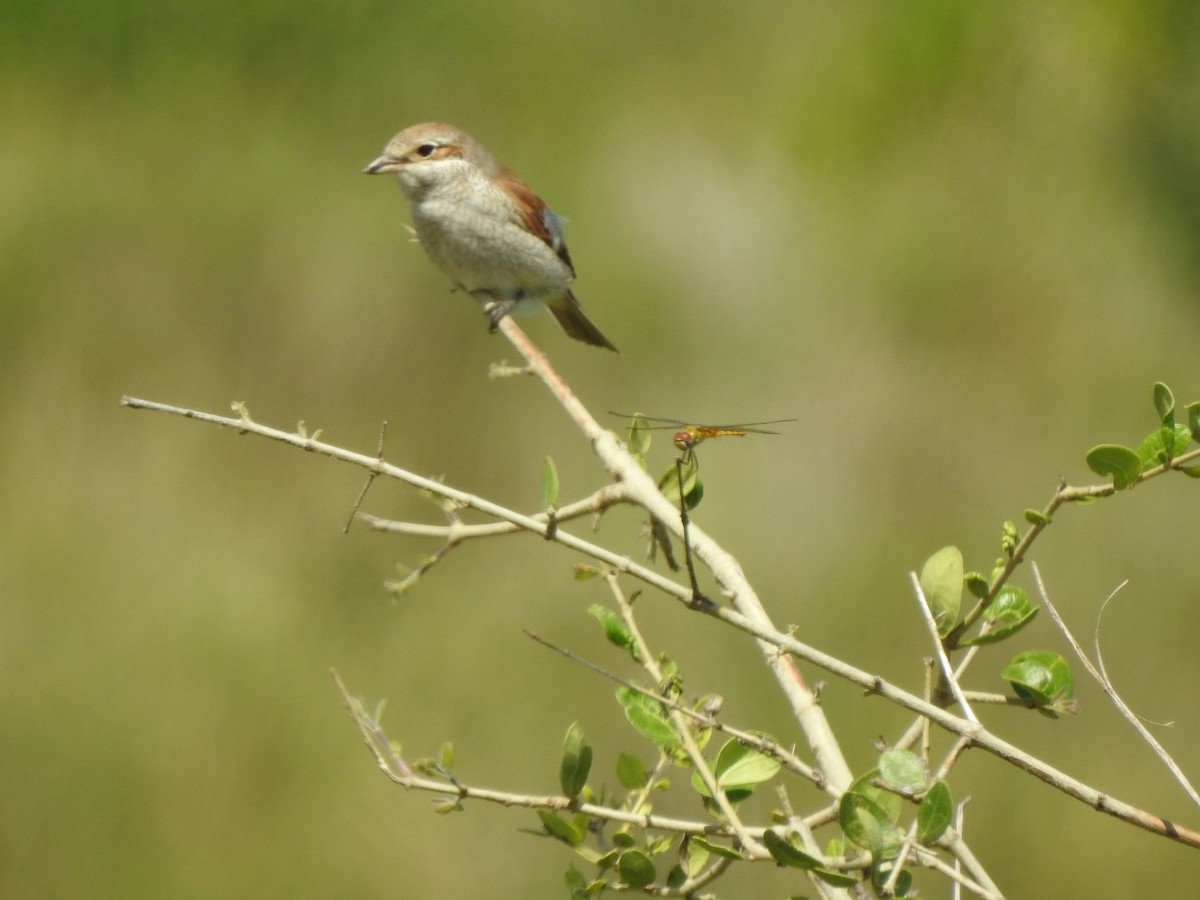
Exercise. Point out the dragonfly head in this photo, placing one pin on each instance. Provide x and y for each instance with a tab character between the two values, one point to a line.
685	441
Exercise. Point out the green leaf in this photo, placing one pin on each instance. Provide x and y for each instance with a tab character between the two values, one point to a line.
867	825
576	883
942	585
1007	614
716	849
735	794
614	628
1044	677
1001	630
649	717
446	757
1164	402
1193	411
660	845
576	761
935	813
693	489
693	855
903	770
676	877
1036	517
549	483
560	828
741	766
837	879
630	772
785	854
636	869
1010	602
601	861
889	802
1123	464
881	874
1163	445
639	435
977	584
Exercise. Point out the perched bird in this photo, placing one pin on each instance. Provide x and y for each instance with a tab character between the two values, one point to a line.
484	227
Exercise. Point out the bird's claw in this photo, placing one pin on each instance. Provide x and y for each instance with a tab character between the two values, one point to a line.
497	310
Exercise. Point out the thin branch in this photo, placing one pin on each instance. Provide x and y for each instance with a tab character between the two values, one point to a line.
1107	687
398	771
953	841
1100	656
684	523
924	857
606	497
690	886
367	484
398	588
246	425
960	746
943	660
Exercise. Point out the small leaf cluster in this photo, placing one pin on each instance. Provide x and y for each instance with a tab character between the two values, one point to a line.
440	767
1042	678
629	856
1160	448
871	814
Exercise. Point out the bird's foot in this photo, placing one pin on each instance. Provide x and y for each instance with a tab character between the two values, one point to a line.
497	310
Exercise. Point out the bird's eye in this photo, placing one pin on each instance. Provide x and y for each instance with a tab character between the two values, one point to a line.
426	150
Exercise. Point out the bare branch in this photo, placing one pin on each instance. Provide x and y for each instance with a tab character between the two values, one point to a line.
1107	687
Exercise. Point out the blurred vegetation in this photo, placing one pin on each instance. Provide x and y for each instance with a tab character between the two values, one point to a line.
958	241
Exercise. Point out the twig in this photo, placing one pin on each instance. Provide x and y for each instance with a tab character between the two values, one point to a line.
1107	687
697	596
606	497
402	774
245	425
367	484
943	660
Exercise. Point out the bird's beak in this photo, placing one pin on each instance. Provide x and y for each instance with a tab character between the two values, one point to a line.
382	166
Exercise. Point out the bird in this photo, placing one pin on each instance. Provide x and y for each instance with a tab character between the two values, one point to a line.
484	227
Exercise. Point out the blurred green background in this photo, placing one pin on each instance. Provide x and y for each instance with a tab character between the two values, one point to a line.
958	242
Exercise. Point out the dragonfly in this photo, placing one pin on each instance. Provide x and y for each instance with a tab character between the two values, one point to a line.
687	436
682	480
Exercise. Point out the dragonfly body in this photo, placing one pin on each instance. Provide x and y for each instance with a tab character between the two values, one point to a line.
687	435
691	435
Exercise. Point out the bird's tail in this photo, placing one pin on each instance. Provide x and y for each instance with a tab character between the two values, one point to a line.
577	325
